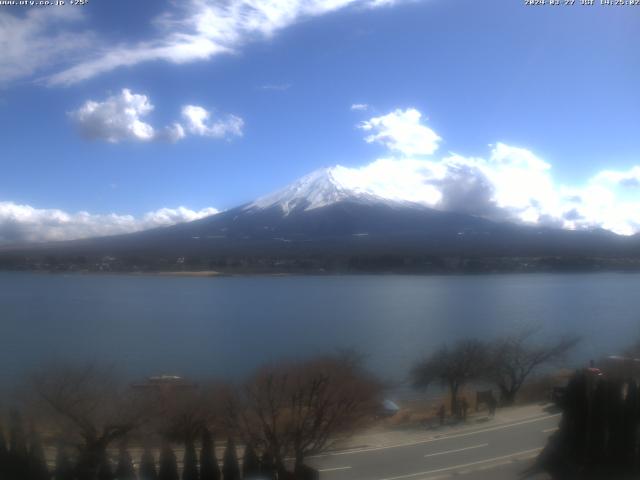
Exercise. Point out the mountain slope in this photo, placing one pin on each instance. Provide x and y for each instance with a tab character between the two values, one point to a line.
319	217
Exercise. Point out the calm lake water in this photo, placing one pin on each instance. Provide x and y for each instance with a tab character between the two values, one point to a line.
226	326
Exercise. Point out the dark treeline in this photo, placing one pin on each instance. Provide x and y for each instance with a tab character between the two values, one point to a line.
23	459
599	434
316	264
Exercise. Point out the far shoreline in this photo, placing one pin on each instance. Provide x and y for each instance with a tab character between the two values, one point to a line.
272	274
193	273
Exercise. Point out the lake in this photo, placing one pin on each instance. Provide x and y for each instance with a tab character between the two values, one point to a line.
226	326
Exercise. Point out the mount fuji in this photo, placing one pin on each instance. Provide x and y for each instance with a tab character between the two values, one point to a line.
323	188
328	221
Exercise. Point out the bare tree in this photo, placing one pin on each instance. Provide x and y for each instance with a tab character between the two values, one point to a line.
514	358
183	414
301	408
452	368
87	406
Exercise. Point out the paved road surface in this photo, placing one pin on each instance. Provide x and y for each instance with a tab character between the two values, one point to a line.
498	451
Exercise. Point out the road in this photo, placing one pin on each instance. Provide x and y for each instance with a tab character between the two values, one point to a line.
487	452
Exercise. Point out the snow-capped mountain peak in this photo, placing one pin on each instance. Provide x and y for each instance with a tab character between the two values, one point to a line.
315	190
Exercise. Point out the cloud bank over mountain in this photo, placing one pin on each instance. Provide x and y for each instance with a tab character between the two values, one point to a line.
24	223
509	183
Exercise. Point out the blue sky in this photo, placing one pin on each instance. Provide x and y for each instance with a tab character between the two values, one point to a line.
278	80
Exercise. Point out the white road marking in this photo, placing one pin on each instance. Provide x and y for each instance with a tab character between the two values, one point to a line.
547	430
463	465
499	427
444	437
334	469
456	450
492	465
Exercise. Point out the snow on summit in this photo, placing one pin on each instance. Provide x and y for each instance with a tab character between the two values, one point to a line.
315	190
325	187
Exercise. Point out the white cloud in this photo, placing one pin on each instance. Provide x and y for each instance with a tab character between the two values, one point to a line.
630	178
41	38
199	30
173	133
402	131
171	216
117	118
24	223
198	122
121	118
510	183
359	107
